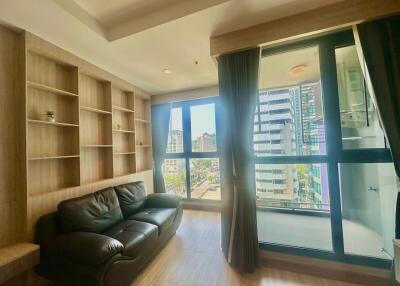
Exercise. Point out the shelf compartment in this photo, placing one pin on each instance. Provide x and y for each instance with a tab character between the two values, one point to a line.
47	140
142	108
143	134
52	75
95	129
95	94
65	108
50	89
122	99
144	159
124	165
123	120
46	176
33	121
96	164
124	142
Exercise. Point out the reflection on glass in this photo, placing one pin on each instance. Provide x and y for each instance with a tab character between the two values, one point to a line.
175	134
205	179
368	194
289	118
203	128
174	171
360	125
293	187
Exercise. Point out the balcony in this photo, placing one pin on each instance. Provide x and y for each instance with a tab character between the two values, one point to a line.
307	225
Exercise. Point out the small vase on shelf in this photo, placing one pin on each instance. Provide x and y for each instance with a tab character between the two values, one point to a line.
51	116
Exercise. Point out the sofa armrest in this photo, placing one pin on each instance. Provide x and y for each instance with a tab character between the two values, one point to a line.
163	201
86	247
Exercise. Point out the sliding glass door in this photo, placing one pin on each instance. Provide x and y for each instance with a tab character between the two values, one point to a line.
325	184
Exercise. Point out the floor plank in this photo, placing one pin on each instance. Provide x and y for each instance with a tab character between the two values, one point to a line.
193	258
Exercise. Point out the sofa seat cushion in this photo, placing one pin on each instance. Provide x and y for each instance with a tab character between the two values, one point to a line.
136	236
163	218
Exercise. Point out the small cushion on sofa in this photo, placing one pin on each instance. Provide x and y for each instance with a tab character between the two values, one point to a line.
91	213
132	197
86	247
163	218
136	236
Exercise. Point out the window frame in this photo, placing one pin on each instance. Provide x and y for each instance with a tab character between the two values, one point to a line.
187	153
335	154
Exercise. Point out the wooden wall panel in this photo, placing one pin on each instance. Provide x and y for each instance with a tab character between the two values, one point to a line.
12	196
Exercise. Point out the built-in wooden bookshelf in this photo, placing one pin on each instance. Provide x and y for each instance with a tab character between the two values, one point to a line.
100	130
52	146
91	143
143	133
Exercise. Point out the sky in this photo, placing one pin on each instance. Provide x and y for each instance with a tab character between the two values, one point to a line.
202	117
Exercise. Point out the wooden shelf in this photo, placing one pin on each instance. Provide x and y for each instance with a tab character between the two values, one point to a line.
123	109
53	157
144	146
124	131
16	259
91	109
52	123
50	89
96	146
125	153
142	120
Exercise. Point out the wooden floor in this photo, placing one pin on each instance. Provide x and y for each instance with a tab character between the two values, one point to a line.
193	258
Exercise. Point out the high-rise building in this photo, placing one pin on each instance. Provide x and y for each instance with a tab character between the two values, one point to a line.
175	141
205	143
290	122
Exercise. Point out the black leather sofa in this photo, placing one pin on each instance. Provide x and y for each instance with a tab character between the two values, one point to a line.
107	237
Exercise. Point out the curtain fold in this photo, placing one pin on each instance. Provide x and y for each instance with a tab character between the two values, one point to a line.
238	86
160	116
380	44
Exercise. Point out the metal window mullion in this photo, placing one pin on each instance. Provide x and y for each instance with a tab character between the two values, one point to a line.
187	144
333	139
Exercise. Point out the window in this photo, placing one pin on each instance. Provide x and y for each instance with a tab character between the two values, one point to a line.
325	181
191	169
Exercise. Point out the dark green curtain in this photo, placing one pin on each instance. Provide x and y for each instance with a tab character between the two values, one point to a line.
160	116
238	89
380	44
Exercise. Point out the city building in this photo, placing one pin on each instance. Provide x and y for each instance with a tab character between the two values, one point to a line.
290	122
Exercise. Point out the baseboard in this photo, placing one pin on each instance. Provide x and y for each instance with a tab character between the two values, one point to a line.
327	269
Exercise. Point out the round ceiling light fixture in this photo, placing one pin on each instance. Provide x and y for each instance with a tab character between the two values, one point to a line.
167	71
298	71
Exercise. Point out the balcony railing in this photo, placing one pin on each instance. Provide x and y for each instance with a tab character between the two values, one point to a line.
290	205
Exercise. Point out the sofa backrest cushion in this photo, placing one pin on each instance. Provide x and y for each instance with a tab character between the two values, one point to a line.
94	212
132	197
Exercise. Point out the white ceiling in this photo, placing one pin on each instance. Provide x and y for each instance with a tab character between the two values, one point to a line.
140	54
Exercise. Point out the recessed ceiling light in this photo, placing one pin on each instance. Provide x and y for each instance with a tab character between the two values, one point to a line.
167	71
297	71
